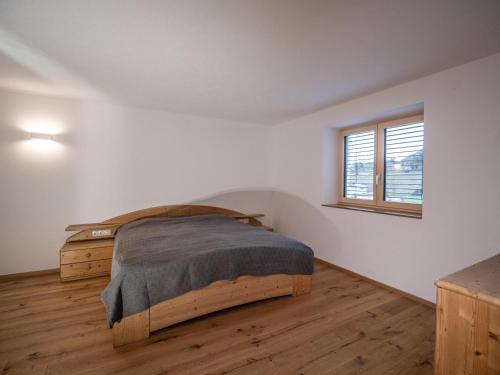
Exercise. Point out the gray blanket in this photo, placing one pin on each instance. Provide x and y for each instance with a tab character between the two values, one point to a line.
157	259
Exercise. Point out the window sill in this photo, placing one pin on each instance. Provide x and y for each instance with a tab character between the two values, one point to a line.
377	210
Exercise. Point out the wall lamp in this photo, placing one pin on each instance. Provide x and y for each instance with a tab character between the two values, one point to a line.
42	137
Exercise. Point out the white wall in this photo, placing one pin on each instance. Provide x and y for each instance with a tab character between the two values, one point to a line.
108	160
461	212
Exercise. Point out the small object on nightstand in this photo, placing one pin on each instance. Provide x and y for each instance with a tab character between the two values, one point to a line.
269	229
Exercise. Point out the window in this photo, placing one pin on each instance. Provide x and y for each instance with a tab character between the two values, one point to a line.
381	165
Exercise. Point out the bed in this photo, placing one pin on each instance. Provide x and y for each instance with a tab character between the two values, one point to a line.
174	263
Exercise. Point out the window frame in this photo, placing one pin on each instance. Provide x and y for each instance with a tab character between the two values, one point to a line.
379	165
350	131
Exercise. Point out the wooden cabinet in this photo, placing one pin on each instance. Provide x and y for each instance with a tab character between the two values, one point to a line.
83	259
468	320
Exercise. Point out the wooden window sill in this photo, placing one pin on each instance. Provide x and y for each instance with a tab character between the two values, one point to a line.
377	210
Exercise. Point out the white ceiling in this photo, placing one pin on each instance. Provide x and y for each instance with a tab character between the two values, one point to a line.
262	61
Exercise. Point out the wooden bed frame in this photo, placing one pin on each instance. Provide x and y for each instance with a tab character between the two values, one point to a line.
214	297
217	296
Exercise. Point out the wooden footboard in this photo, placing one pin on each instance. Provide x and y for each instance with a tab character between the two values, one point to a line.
217	296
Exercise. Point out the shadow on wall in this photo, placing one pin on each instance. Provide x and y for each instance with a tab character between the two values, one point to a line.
294	217
288	214
254	201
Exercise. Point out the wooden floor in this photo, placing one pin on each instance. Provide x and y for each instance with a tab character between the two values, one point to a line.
345	326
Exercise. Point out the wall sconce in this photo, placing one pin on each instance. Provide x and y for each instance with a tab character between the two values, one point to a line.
41	137
42	143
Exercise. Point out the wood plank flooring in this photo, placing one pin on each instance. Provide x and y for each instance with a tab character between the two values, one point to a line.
345	326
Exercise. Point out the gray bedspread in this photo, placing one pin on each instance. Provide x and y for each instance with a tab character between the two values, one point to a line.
157	259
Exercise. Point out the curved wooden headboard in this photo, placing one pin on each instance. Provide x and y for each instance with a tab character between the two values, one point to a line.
107	228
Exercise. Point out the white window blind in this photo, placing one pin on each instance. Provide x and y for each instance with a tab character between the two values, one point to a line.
359	165
404	156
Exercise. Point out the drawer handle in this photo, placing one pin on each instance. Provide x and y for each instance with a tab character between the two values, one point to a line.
89	255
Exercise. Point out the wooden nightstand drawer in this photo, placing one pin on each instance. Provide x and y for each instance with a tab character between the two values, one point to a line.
86	255
85	269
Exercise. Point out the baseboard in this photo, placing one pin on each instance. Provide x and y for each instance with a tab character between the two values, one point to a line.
379	284
29	274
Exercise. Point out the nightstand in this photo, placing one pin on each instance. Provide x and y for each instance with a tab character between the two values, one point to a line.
84	259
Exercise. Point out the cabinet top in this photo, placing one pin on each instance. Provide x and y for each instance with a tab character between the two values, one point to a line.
481	280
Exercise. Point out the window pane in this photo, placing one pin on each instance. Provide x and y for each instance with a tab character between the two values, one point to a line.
404	157
359	165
